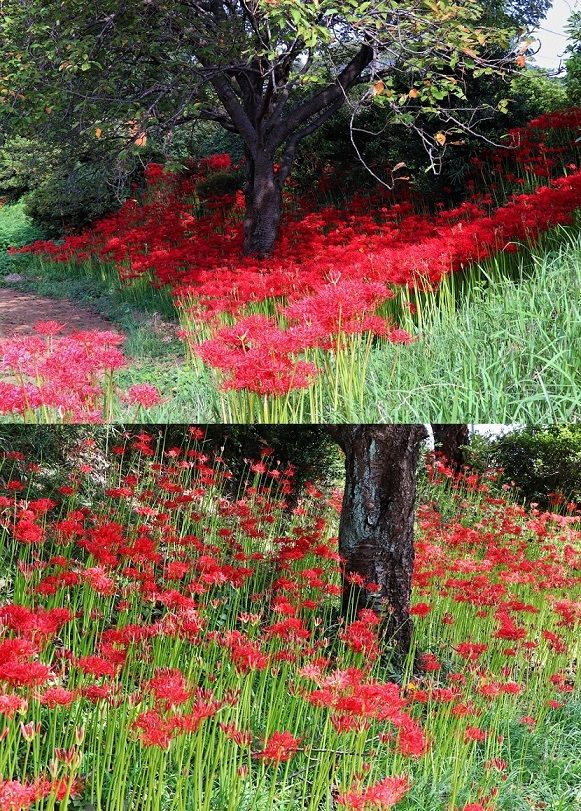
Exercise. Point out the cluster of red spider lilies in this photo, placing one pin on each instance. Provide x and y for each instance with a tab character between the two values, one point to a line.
290	332
171	641
51	377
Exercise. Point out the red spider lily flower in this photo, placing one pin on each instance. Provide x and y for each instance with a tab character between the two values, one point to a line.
240	737
10	704
361	637
169	685
383	795
290	629
430	663
16	796
96	666
38	625
245	654
143	395
471	650
204	707
49	327
279	747
420	609
154	729
411	740
99	581
57	697
474	734
28	531
24	674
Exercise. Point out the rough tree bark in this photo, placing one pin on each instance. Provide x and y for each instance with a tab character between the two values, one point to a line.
376	531
450	440
263	195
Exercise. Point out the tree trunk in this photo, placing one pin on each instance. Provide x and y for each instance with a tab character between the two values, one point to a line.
263	208
450	440
376	530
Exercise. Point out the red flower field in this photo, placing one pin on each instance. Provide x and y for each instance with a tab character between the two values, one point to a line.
166	644
290	336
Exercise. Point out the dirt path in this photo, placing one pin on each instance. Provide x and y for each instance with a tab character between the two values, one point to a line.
19	312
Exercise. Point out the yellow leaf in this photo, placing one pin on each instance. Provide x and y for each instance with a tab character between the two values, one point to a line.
440	137
413	94
378	88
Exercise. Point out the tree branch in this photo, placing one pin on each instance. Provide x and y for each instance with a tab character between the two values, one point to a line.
295	140
330	95
235	110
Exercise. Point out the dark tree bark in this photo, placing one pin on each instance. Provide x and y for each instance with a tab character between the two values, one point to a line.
376	531
450	440
263	195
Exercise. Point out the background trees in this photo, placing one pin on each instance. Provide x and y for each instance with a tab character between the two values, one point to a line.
543	463
451	440
573	75
271	72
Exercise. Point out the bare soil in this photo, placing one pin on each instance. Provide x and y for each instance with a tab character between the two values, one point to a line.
19	312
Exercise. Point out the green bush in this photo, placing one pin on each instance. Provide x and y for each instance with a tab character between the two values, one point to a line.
65	188
24	165
221	183
71	198
543	462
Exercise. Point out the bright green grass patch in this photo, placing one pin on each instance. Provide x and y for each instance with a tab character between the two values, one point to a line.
15	230
511	352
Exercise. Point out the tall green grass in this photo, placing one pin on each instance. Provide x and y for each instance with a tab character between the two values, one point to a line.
510	352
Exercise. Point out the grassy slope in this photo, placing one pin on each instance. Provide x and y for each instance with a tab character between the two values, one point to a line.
509	353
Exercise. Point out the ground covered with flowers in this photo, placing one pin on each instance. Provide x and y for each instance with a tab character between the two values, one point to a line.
289	338
50	377
169	641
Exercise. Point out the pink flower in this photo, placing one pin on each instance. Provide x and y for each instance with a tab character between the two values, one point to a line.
144	395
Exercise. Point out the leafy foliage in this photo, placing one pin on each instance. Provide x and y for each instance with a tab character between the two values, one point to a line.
271	72
573	76
543	462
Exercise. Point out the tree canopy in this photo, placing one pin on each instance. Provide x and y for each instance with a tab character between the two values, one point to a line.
273	71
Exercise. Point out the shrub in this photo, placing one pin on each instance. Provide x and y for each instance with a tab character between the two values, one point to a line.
71	198
24	165
544	461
